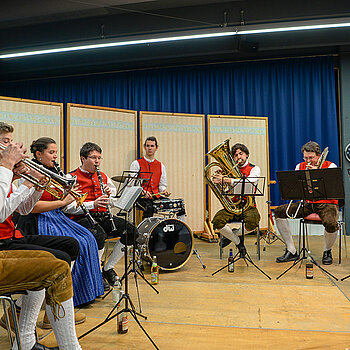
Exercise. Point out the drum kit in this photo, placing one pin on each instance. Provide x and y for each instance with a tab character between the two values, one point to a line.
164	236
168	239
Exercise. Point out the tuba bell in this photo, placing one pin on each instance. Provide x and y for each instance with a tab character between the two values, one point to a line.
229	168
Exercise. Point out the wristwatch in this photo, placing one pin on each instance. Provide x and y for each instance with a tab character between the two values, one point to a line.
347	152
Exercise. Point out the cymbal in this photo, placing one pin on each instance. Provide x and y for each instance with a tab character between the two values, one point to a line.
120	178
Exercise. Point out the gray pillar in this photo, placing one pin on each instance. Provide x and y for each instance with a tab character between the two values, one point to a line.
345	129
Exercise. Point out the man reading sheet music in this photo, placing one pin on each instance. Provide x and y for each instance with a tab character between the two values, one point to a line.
156	187
96	202
251	216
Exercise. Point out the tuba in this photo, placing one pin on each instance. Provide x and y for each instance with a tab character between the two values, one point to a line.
224	160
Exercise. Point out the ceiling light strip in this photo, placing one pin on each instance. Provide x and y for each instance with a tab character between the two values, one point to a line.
219	33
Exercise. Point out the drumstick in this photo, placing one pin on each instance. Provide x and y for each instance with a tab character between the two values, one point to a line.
156	194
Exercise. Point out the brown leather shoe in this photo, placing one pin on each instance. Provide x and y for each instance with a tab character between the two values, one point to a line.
79	317
39	332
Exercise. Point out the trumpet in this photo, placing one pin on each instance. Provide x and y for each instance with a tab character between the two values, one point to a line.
53	183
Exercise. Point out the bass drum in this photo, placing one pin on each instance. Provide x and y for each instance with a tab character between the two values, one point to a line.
169	240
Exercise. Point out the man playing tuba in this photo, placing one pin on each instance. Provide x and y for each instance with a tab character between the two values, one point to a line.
249	214
326	209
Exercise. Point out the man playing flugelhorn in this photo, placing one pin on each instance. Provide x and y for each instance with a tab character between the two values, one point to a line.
251	216
326	209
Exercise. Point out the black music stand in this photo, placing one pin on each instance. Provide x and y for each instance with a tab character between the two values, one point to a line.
130	179
312	185
242	188
128	195
140	179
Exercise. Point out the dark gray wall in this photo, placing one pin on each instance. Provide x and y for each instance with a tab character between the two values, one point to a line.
345	128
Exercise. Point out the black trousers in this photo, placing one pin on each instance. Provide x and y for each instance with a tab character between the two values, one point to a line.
104	228
64	248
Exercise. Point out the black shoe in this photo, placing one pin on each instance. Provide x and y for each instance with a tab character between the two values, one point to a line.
106	286
242	250
287	256
110	276
225	242
38	346
327	257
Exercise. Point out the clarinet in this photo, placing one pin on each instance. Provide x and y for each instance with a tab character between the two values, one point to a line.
92	222
114	229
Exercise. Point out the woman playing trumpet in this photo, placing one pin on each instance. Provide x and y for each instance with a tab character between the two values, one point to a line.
48	218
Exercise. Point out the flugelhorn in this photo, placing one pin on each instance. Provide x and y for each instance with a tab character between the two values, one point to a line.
229	168
53	183
319	164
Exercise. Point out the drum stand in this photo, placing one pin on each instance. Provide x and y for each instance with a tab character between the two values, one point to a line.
132	311
195	252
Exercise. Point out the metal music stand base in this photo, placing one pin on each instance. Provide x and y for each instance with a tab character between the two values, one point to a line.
302	256
125	296
246	258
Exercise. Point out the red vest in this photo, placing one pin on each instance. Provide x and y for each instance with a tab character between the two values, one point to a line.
47	197
155	168
246	172
247	169
89	183
7	228
326	164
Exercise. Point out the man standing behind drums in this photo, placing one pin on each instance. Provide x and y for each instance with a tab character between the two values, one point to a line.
326	209
98	201
156	188
251	216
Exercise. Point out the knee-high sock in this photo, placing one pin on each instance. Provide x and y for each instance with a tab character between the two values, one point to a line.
116	255
228	233
329	239
31	305
286	233
64	328
100	254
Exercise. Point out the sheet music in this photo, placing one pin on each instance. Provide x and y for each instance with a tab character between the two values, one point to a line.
249	188
128	197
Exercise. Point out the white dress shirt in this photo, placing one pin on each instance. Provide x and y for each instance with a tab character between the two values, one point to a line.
21	199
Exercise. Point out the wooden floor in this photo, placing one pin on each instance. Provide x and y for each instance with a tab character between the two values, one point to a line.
240	310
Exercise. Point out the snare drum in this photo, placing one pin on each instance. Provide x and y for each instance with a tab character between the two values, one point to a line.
170	240
169	205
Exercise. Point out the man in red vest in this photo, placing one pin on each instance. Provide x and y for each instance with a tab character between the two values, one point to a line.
96	202
157	186
251	216
326	209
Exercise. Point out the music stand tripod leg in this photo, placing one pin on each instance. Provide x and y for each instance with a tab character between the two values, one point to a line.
125	296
